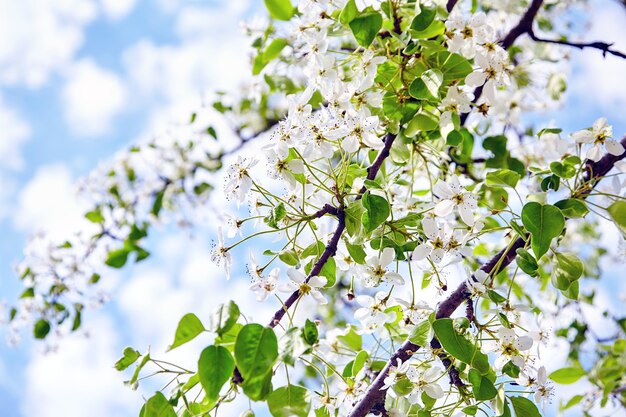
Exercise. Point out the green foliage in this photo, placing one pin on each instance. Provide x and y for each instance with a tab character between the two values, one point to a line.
503	178
567	375
256	351
130	357
188	328
458	346
365	26
427	85
377	210
544	222
482	387
617	210
280	9
524	407
423	19
289	401
157	406
215	368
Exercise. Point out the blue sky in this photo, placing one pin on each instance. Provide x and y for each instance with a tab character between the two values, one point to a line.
111	72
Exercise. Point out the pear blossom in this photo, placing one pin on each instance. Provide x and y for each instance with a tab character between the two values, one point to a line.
264	286
599	135
452	195
239	182
220	253
372	313
312	287
425	381
375	269
510	347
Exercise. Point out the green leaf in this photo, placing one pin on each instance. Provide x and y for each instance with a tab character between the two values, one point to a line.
524	407
424	19
349	12
572	402
458	346
376	211
359	362
41	329
276	215
117	258
567	375
562	170
421	333
289	257
503	178
365	26
130	356
544	222
482	387
94	216
225	317
526	262
452	65
617	210
158	406
215	367
354	218
256	350
427	85
280	9
288	401
572	208
157	205
274	49
310	333
357	253
188	328
352	339
422	122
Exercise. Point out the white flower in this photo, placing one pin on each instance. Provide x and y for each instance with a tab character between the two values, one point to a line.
220	254
239	182
265	286
298	282
510	346
477	285
599	135
452	195
395	373
544	390
425	381
375	269
491	74
372	312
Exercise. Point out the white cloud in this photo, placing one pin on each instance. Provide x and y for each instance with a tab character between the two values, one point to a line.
13	133
38	37
92	97
49	202
117	9
210	55
79	380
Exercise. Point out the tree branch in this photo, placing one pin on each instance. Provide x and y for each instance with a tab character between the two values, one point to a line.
594	171
602	46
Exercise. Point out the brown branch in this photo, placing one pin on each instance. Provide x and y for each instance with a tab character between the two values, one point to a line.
329	252
375	394
525	25
373	169
602	46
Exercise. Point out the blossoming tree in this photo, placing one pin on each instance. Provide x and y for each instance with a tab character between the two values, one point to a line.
403	192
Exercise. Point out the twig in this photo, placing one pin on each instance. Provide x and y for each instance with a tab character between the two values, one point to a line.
602	46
